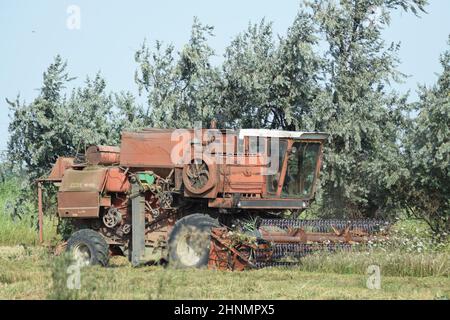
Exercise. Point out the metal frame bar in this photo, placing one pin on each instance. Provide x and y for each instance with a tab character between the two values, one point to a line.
137	225
40	213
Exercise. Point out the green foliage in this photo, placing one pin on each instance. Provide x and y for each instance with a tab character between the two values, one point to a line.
18	218
179	92
358	108
37	133
427	145
414	235
267	83
90	110
330	72
54	125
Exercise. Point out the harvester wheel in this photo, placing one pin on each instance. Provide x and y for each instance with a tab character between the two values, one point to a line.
88	248
189	241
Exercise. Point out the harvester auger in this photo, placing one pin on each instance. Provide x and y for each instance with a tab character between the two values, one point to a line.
200	197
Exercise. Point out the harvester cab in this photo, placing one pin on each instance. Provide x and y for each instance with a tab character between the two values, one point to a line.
176	195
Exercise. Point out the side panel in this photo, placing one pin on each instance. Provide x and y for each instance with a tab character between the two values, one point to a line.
78	204
61	165
79	194
116	181
146	149
245	175
92	179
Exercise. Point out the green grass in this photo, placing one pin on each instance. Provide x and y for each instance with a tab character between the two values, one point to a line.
31	273
412	266
23	230
392	263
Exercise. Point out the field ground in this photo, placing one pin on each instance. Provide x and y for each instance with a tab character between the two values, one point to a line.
412	268
33	273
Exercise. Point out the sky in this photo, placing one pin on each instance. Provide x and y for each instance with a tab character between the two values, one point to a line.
110	32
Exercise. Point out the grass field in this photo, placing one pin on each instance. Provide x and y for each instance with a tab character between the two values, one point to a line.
412	267
33	273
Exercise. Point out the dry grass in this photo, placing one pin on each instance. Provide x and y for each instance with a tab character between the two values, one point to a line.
392	263
30	273
411	269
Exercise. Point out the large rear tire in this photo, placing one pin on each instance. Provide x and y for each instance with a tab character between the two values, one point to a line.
88	248
189	241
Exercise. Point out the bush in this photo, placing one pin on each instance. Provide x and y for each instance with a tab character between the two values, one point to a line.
22	229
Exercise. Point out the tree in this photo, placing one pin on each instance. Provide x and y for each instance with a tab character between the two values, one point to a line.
357	108
128	115
331	72
179	92
37	130
90	114
247	73
53	125
268	83
155	75
427	146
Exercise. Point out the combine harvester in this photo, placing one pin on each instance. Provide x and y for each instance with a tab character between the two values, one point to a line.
199	197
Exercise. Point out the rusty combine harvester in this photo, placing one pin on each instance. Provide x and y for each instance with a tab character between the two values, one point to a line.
196	198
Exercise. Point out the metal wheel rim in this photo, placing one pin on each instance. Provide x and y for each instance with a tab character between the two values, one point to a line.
189	247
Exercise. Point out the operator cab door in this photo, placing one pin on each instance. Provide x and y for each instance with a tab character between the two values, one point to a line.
293	168
276	153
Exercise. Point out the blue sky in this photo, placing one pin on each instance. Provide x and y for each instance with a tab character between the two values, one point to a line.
33	32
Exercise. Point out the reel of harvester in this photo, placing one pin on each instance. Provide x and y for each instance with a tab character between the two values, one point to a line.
283	242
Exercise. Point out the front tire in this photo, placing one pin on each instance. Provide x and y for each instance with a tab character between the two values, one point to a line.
189	241
88	248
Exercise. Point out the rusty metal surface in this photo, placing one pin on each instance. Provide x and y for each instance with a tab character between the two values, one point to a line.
147	149
235	180
221	203
244	174
228	254
104	155
200	178
116	180
237	173
283	247
60	166
89	179
78	204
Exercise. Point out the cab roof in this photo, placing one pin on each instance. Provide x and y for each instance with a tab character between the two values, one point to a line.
303	135
282	134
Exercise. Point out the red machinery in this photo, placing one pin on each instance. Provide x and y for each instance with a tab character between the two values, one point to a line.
174	195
